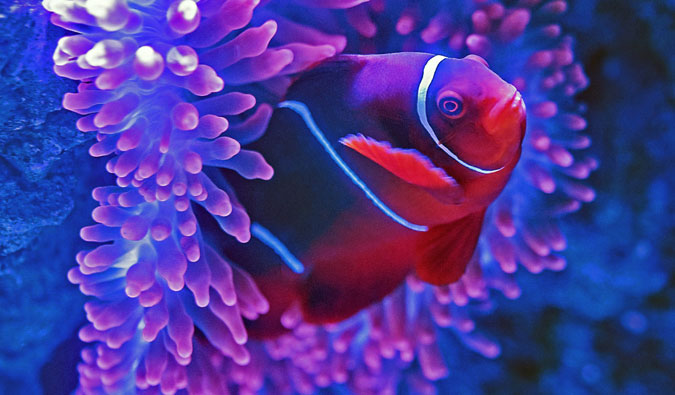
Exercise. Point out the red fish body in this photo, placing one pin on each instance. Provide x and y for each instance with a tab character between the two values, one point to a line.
384	166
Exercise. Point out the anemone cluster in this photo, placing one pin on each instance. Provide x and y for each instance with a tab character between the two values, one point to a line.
161	86
172	89
398	341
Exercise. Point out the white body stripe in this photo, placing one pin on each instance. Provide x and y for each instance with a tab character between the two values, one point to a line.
264	235
302	110
428	76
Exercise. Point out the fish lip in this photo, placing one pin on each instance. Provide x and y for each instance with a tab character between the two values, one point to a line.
506	112
518	101
515	101
518	104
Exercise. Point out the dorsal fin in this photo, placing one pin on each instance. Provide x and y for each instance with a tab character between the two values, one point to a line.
409	165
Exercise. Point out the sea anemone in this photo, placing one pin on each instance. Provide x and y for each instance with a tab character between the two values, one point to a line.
162	86
396	341
172	88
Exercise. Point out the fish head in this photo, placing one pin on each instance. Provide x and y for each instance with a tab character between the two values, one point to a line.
471	114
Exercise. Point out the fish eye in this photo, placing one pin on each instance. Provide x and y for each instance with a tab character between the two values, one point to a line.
451	104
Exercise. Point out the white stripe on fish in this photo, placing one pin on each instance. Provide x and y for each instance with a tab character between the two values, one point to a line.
428	76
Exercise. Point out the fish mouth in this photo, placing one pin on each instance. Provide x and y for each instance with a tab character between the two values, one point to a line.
507	115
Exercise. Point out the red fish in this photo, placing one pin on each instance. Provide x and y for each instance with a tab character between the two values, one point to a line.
384	166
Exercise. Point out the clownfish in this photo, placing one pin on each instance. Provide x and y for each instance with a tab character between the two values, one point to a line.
384	166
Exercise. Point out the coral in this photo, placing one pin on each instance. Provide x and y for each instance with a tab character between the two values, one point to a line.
40	309
34	132
39	191
163	88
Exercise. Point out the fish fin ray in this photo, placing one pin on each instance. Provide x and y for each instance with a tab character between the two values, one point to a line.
444	251
409	165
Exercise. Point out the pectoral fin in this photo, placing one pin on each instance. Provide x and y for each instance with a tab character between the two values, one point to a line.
444	251
409	165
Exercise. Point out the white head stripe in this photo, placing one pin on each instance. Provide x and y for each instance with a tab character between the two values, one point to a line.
427	77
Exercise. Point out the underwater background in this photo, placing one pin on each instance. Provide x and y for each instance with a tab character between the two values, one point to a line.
602	325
